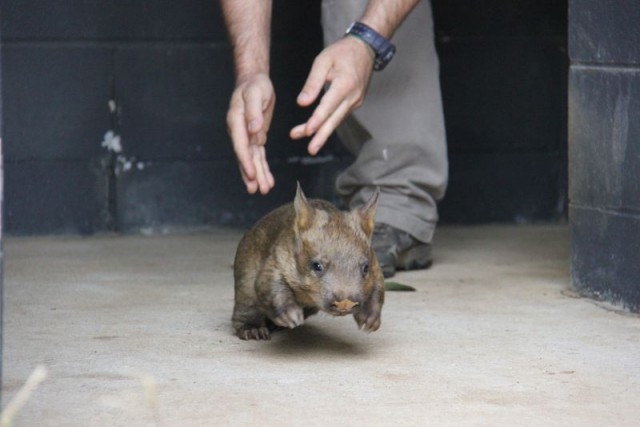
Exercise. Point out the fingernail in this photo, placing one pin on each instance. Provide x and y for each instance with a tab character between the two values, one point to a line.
253	125
303	96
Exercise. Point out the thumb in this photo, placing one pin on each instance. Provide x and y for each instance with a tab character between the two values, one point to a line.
315	82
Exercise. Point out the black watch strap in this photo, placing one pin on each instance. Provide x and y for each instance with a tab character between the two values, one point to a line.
382	47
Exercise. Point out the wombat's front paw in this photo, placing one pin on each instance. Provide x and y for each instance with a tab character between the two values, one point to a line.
368	319
248	332
289	317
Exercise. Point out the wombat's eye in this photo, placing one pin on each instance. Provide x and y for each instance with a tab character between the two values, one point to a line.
364	268
317	266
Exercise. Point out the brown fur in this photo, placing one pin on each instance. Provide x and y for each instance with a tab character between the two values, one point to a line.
277	282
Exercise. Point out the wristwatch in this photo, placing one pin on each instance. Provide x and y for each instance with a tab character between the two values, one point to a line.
382	47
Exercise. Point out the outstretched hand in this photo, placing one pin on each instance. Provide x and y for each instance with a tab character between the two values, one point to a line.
345	67
248	120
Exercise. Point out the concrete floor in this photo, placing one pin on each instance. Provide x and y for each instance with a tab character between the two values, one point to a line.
135	331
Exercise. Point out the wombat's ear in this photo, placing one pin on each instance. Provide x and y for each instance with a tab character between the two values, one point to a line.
304	213
367	213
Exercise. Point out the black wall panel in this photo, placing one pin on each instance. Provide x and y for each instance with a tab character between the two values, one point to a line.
604	31
56	113
1	222
604	149
172	101
57	101
605	131
62	196
163	196
605	264
111	20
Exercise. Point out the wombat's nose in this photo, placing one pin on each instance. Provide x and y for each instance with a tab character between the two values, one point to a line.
346	306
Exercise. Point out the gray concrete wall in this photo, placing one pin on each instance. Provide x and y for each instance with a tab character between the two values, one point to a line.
604	148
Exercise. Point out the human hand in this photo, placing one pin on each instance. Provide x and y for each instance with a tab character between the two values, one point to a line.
346	66
248	120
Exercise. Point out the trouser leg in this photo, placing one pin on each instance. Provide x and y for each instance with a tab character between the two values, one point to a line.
398	134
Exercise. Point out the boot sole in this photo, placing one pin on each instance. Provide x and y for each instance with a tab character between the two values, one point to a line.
415	258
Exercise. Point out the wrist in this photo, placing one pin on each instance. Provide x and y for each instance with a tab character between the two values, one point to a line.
251	63
245	76
382	48
370	51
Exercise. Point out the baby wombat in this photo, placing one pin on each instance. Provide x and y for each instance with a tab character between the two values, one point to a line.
304	257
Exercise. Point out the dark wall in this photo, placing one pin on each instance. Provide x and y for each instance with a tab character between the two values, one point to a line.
504	82
159	74
604	149
1	232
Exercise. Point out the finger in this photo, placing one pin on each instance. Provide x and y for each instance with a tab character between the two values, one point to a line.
298	131
325	131
263	174
316	80
259	139
267	116
240	139
330	102
251	184
270	181
254	118
257	163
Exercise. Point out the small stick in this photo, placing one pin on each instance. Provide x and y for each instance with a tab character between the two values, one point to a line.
38	375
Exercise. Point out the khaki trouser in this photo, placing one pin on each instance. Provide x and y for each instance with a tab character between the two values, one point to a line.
397	135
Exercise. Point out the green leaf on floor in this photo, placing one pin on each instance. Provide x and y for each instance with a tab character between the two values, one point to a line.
395	286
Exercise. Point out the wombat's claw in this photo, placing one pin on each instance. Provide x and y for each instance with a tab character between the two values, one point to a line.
261	333
290	318
368	322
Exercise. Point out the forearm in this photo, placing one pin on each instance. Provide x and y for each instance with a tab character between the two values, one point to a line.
385	16
249	26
